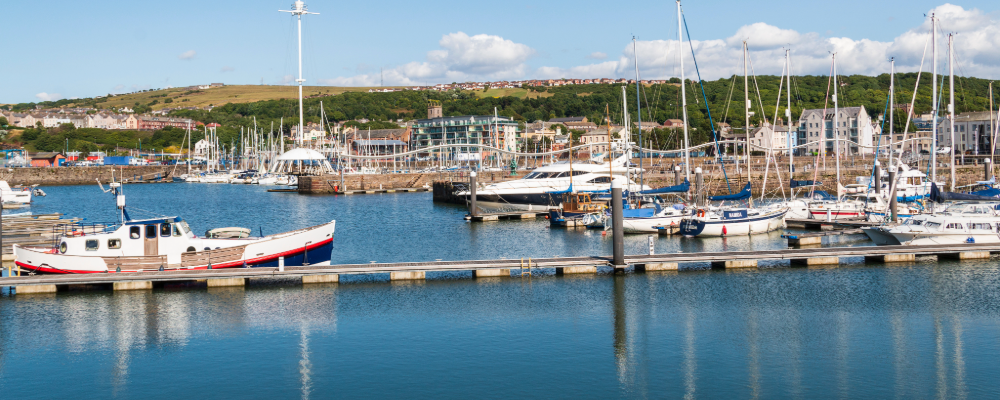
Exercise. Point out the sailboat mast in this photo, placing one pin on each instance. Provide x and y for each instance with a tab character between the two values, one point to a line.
684	104
951	104
934	99
788	114
836	121
746	111
892	108
638	107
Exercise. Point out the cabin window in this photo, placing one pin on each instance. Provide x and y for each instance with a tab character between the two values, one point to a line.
988	227
177	229
933	225
165	230
601	179
191	249
954	226
62	247
92	245
185	227
151	231
133	232
114	243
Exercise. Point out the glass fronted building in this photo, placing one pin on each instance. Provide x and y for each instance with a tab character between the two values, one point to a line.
500	132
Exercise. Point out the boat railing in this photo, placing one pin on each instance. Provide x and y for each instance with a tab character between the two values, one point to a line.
80	229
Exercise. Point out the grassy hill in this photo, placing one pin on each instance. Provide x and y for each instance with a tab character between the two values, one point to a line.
219	96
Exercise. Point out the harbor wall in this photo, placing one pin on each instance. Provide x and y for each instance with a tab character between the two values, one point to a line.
49	176
656	177
326	184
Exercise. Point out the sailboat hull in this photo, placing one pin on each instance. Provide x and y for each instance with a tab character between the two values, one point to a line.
702	227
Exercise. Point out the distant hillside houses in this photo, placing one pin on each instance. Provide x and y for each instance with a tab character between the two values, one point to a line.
100	120
519	84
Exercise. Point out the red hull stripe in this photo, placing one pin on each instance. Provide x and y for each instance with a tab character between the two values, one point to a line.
231	264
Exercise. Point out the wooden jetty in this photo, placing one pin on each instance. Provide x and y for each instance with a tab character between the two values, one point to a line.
816	238
496	216
822	224
374	191
25	284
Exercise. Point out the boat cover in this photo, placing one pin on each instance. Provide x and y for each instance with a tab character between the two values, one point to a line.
742	195
940	197
794	183
682	188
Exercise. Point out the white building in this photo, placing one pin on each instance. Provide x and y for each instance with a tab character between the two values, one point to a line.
853	125
974	132
201	148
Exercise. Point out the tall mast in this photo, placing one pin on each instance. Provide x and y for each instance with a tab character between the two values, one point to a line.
638	107
836	121
300	8
788	114
934	100
892	107
746	111
951	104
684	103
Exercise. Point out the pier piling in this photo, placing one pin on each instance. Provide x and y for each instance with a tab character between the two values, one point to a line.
986	169
617	225
473	209
331	278
699	182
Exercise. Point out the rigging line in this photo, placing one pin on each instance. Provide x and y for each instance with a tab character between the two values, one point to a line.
760	100
708	108
913	102
822	148
778	102
878	143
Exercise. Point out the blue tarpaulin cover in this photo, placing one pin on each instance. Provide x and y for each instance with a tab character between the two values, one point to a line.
742	195
682	188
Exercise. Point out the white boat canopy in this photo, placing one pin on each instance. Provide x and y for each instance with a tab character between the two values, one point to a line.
301	160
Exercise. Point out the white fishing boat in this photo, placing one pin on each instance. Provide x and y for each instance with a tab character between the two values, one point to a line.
167	243
960	223
665	218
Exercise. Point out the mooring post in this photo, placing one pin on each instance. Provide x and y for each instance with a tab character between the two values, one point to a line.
473	210
677	175
986	169
699	181
877	182
617	225
281	264
892	194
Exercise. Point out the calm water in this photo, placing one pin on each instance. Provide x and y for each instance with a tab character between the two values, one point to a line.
924	330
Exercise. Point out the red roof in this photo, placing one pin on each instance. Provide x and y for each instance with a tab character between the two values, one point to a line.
213	125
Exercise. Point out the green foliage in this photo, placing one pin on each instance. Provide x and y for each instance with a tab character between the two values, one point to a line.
3	121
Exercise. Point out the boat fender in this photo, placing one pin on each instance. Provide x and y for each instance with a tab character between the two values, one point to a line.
701	213
724	230
970	240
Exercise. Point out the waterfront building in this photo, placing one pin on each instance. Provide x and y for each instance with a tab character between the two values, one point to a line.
145	123
47	159
854	124
487	130
973	132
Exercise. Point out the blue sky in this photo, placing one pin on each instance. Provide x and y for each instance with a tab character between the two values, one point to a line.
64	49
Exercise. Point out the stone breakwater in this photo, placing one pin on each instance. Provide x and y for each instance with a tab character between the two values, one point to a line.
83	175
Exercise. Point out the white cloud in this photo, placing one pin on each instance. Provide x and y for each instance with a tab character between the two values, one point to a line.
460	58
48	96
463	58
978	35
228	69
187	55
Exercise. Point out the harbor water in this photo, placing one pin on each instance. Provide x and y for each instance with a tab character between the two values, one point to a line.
920	330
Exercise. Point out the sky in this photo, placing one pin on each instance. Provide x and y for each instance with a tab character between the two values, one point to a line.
68	49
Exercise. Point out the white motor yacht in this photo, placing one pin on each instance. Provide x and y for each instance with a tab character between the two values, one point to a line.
959	223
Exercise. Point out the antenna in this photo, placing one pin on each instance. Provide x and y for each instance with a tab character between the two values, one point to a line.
300	9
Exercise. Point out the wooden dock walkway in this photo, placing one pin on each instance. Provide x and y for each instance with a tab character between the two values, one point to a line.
498	268
815	238
822	224
496	216
374	191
